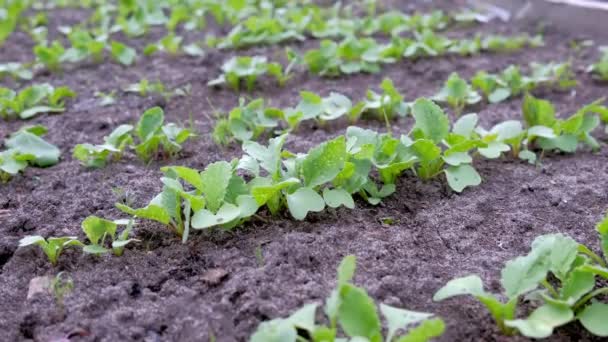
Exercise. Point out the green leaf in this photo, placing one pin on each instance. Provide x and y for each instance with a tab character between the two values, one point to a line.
303	201
602	229
263	194
457	158
357	313
324	162
278	330
462	176
494	149
499	95
189	175
150	123
538	112
215	180
431	121
400	318
151	212
96	228
26	143
542	321
203	219
577	284
337	197
425	331
122	53
95	249
593	318
304	318
346	269
469	285
465	125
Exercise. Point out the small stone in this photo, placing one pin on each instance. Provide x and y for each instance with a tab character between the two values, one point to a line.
214	276
38	285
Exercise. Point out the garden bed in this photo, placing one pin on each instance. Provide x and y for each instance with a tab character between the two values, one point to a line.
224	283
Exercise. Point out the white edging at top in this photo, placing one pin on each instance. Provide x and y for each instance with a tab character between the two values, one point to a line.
583	3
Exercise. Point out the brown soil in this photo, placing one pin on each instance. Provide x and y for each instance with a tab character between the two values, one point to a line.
162	290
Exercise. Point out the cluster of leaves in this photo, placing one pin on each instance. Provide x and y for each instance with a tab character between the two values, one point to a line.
16	71
83	46
558	274
328	175
247	69
33	100
26	147
350	310
457	93
151	135
600	68
96	229
511	82
276	23
10	12
249	121
355	55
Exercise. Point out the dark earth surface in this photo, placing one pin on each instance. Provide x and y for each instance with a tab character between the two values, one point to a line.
162	290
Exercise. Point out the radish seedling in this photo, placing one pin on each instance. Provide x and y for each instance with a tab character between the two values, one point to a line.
17	71
96	156
245	69
457	93
26	147
52	247
153	134
97	230
350	312
33	100
558	273
600	68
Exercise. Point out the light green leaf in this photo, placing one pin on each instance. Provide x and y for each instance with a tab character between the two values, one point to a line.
303	201
214	182
357	313
457	158
465	125
425	331
462	176
324	162
542	321
469	285
150	212
431	121
593	318
400	318
150	122
26	143
205	219
337	197
96	228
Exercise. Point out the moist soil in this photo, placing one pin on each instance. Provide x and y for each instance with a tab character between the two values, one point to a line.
222	284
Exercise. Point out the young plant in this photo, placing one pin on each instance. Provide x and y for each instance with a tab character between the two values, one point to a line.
26	147
600	68
96	156
97	230
52	247
430	132
33	100
385	106
352	313
568	133
17	71
559	274
60	286
457	93
153	134
245	69
50	55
